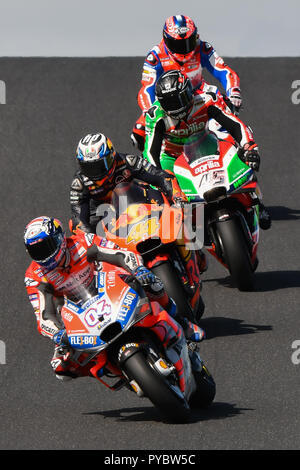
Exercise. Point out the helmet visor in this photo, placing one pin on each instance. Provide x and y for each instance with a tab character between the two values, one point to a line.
181	46
98	169
42	250
174	104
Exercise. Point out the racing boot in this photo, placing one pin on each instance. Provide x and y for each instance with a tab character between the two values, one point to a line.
264	217
155	291
192	331
60	363
195	357
202	261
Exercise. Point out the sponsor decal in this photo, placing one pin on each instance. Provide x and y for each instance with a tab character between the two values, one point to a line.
240	181
218	177
111	278
182	30
79	254
207	47
89	238
142	230
128	302
127	346
146	78
30	282
190	129
47	329
206	167
101	279
83	340
202	160
93	315
33	296
76	184
151	59
68	316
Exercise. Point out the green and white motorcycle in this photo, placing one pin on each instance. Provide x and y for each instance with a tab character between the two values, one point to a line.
210	173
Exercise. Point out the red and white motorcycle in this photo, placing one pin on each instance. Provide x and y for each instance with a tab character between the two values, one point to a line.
210	173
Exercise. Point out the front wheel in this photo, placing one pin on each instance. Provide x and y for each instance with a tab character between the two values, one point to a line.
236	253
156	388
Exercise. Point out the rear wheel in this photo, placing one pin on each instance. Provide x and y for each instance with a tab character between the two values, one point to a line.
156	388
236	254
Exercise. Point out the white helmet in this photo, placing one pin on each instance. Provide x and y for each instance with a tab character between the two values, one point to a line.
96	157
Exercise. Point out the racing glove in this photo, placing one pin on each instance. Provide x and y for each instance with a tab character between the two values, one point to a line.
60	338
148	280
249	155
234	95
174	193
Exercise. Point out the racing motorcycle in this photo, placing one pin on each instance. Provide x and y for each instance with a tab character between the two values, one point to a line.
118	335
142	220
210	173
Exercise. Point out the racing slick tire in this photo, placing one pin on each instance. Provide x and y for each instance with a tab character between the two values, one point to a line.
157	388
173	287
236	254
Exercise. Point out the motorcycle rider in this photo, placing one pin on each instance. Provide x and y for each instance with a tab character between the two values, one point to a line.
61	265
182	49
180	112
101	168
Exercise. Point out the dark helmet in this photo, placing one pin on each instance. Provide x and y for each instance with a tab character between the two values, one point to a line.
96	157
175	93
180	37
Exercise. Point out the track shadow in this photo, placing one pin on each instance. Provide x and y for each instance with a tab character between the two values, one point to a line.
265	281
217	410
133	414
222	326
223	281
275	280
283	213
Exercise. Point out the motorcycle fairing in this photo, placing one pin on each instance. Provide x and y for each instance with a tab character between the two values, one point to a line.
115	302
198	174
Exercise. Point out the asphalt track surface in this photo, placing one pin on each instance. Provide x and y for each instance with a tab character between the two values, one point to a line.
51	104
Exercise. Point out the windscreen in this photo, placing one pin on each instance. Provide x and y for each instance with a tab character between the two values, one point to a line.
198	146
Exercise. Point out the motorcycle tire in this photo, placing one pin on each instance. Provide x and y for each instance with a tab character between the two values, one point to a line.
173	287
206	389
236	254
156	388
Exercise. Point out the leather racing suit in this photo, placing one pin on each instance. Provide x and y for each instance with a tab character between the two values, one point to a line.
87	195
46	288
159	61
165	136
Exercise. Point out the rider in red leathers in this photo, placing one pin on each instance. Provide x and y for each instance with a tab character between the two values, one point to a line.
61	265
181	49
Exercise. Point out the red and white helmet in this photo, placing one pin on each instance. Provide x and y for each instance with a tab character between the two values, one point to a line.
180	37
45	241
